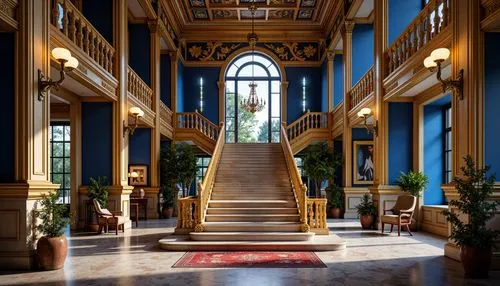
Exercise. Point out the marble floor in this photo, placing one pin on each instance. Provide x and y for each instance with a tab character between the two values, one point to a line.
371	258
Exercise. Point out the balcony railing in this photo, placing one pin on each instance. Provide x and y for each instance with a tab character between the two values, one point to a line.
165	114
71	22
139	89
362	89
428	24
194	120
310	120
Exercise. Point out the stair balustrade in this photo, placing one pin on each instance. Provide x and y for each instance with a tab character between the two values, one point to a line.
194	120
431	21
139	89
308	121
165	114
298	187
316	215
187	214
362	89
75	27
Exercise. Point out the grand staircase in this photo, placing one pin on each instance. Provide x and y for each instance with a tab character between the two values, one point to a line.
252	198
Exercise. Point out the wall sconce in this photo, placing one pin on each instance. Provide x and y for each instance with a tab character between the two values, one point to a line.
136	113
68	64
365	113
437	57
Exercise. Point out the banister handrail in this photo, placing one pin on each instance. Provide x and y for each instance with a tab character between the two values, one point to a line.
362	89
206	186
310	120
165	113
80	31
195	120
139	89
418	33
298	187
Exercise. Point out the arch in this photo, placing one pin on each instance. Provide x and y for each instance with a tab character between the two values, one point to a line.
240	53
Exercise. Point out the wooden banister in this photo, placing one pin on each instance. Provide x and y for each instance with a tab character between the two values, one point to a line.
139	89
362	89
299	188
165	113
195	120
206	186
310	120
427	25
72	24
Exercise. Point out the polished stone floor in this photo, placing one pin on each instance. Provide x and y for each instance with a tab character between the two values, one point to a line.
371	258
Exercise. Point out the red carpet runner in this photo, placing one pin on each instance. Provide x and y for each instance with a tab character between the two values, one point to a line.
250	259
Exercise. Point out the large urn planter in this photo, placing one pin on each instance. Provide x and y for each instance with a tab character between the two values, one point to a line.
476	261
167	212
335	212
52	252
366	221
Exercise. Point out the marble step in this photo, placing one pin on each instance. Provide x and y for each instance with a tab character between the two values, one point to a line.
252	217
252	189
251	236
250	196
251	204
251	226
252	211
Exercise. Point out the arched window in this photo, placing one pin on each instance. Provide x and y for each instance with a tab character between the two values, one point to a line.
241	125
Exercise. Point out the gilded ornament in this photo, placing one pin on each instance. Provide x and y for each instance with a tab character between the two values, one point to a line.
309	51
199	228
305	227
195	51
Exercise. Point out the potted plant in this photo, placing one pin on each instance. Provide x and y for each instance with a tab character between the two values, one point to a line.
52	247
473	237
320	164
168	200
335	201
413	182
367	212
98	189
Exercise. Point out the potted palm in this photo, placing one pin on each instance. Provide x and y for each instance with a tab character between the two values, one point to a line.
335	201
366	211
473	237
98	189
320	164
52	247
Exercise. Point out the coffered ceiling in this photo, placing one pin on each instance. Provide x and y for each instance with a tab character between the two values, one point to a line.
230	19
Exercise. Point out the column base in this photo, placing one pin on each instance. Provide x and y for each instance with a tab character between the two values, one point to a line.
353	197
384	197
18	260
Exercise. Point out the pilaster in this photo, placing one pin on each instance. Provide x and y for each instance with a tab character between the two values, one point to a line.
330	57
347	139
75	111
222	102
174	57
18	200
155	86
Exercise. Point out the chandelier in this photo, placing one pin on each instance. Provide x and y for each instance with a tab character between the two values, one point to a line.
253	103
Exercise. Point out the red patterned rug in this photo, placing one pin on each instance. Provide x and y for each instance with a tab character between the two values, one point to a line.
250	259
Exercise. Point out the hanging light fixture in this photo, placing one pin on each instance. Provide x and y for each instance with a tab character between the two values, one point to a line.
253	103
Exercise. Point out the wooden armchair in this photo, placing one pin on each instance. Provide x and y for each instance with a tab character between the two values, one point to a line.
105	218
402	214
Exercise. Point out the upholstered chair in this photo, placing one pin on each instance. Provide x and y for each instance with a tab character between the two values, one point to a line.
402	214
106	218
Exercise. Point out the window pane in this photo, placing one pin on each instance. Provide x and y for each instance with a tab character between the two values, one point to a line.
67	149
206	161
262	60
199	161
257	72
67	134
263	133
57	178
230	124
275	125
67	181
230	98
275	137
57	149
230	86
199	172
57	165
275	108
273	71
58	133
67	166
231	72
241	61
230	137
275	86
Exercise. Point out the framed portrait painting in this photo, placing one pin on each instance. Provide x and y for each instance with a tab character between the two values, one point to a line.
363	163
140	175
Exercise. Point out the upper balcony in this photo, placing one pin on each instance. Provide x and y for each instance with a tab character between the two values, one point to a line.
141	95
405	73
95	75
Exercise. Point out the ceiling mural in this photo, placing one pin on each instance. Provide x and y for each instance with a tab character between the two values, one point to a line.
286	51
220	10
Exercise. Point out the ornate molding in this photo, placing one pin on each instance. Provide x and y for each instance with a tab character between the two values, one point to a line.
8	11
349	26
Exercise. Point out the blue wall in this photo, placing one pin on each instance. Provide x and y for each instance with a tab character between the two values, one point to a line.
401	13
324	87
294	76
359	134
139	151
362	50
400	139
100	15
97	140
210	76
180	87
7	116
139	51
492	103
165	74
338	80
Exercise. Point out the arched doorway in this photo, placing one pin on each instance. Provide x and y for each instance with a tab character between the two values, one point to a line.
241	125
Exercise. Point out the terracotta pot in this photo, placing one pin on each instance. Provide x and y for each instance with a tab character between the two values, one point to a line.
476	261
167	212
335	212
52	252
93	227
366	221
